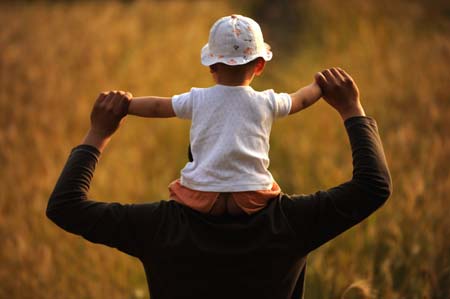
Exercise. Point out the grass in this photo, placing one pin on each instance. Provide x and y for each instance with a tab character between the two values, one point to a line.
55	59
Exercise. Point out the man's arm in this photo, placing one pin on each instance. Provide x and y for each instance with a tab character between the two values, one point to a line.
319	217
151	107
305	97
112	224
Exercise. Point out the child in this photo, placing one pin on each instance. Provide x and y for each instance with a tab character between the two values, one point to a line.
231	123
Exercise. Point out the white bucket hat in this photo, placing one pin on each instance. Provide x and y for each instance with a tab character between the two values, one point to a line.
235	40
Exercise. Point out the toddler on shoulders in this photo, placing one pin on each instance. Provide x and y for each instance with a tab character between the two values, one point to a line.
231	123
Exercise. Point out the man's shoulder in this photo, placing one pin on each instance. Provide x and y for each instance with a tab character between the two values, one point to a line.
189	225
172	210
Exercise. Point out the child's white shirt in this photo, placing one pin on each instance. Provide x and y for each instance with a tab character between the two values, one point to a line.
229	136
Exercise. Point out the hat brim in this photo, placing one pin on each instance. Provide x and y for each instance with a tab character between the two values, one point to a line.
208	58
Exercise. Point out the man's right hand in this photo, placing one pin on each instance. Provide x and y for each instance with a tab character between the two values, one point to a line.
340	91
108	112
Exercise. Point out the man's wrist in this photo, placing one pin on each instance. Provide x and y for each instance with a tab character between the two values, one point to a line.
353	111
96	140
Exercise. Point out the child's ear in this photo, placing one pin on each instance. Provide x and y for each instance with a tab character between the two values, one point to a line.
213	68
259	67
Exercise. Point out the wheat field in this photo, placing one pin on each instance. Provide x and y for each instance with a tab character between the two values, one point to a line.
55	57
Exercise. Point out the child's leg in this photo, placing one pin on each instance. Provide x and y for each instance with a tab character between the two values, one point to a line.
196	200
253	201
215	203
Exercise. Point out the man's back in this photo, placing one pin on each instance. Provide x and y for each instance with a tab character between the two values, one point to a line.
223	257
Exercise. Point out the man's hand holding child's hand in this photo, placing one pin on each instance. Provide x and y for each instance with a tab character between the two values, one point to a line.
108	113
340	91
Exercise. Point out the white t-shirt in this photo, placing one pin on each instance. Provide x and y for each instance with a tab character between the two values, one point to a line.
229	136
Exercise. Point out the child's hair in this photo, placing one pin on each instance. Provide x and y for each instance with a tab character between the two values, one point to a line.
235	70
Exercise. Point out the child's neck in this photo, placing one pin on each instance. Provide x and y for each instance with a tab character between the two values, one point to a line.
227	80
234	82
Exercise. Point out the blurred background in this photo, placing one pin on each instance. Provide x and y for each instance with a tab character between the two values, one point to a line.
55	57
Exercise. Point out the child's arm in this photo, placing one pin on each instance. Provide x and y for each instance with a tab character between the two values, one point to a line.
151	107
305	97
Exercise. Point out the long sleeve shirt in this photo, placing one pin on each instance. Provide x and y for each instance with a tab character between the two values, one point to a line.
187	254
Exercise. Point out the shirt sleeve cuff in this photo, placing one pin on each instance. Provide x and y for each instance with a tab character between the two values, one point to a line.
174	105
355	120
87	149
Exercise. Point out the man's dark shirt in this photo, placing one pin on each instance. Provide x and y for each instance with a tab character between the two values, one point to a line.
191	255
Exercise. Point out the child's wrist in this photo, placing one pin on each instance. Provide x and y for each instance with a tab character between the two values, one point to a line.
316	90
130	107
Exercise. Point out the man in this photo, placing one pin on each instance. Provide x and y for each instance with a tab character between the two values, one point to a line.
187	254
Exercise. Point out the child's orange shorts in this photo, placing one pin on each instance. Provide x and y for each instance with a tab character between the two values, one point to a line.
248	201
